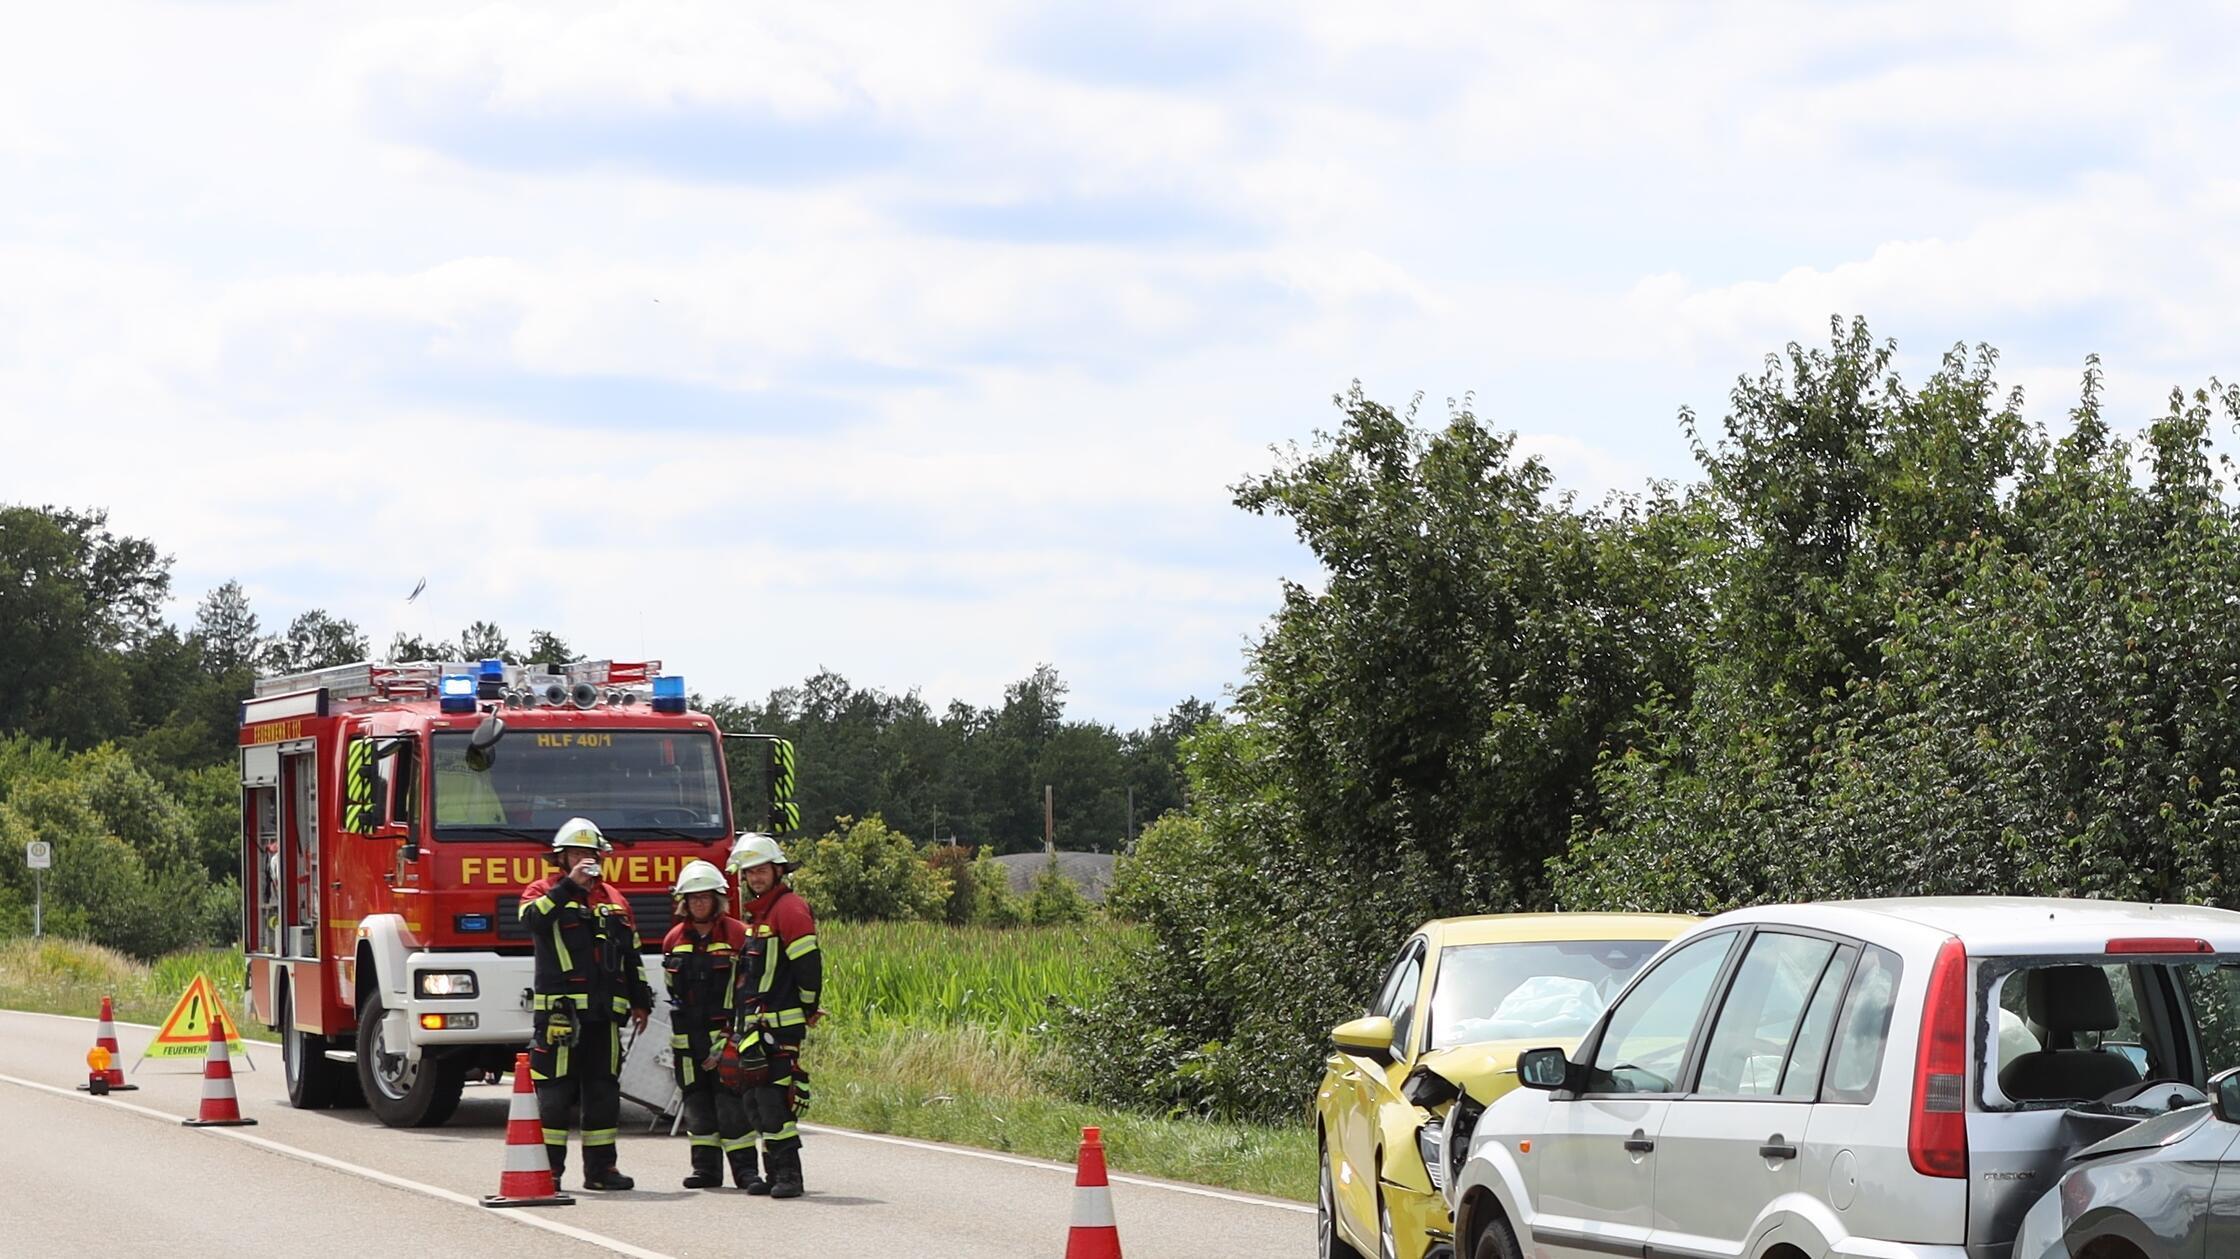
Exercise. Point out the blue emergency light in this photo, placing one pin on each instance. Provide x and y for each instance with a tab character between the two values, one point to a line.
456	693
668	695
493	680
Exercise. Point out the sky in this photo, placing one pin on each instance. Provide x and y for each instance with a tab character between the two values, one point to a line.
924	342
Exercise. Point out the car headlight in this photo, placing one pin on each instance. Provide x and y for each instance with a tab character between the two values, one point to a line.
1431	1142
444	983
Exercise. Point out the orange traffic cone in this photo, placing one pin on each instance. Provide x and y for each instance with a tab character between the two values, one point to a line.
527	1180
220	1108
105	1038
1093	1236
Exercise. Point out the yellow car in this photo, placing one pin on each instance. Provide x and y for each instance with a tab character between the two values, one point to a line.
1464	997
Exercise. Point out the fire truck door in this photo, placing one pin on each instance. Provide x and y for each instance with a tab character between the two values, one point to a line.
299	848
260	825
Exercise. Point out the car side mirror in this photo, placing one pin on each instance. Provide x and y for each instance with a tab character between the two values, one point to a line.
482	745
2224	1095
1544	1069
1370	1037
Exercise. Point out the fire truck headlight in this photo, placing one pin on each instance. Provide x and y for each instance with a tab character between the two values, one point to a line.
445	983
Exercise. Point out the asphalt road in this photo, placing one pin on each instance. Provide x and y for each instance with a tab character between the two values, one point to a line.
120	1175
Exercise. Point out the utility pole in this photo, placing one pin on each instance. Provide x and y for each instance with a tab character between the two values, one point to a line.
1128	845
1049	821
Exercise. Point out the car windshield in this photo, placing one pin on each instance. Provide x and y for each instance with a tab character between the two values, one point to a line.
1545	989
624	780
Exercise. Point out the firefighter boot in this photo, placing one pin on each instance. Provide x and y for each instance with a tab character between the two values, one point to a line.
599	1171
557	1155
744	1173
707	1167
785	1173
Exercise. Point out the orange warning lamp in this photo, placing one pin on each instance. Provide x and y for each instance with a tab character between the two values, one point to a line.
97	1058
97	1075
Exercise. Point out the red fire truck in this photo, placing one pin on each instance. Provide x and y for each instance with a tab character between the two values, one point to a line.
392	813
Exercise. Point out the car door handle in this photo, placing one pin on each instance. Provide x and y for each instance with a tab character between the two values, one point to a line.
1777	1148
1639	1143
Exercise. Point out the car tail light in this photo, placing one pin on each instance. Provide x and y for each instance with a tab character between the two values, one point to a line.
1937	1140
2159	944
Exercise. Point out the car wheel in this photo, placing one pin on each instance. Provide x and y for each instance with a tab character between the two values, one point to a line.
1327	1243
1497	1241
403	1093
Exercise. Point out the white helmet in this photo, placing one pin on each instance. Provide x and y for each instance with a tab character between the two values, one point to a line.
580	832
700	876
754	849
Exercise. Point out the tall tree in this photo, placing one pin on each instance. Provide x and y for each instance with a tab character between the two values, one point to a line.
484	641
315	640
405	647
226	630
73	598
546	647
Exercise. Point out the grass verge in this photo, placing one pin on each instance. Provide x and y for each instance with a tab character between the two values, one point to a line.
969	1086
56	976
932	1032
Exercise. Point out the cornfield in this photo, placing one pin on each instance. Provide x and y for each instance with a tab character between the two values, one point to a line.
1006	980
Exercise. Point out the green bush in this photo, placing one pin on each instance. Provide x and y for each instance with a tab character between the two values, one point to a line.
864	871
127	869
995	904
1053	900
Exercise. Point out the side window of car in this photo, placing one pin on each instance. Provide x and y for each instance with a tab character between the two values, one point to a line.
1816	1035
1387	991
1645	1042
1404	999
1862	1029
2212	994
1764	1009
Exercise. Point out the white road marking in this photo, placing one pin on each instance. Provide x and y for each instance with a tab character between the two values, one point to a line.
1045	1165
352	1169
934	1147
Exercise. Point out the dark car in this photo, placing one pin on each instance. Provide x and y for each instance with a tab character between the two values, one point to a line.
2165	1188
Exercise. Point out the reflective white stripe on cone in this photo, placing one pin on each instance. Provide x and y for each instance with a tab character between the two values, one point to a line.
1092	1207
527	1158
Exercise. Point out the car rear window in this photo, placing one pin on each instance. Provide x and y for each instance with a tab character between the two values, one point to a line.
2071	1030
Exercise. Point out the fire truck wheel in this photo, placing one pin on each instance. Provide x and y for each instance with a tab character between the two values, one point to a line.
314	1083
402	1093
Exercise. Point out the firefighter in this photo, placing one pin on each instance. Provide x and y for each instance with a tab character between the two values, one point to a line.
792	975
588	979
711	1027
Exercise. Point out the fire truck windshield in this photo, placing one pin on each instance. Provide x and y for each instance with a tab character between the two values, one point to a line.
624	780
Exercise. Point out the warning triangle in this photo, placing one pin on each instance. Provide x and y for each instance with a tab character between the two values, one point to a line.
186	1033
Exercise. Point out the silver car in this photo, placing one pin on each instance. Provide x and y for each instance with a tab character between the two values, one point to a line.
2167	1188
1899	1079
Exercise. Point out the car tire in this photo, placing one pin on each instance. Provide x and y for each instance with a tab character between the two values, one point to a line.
399	1093
1328	1243
314	1082
1496	1241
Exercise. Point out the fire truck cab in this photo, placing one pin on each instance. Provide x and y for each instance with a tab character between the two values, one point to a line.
391	815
